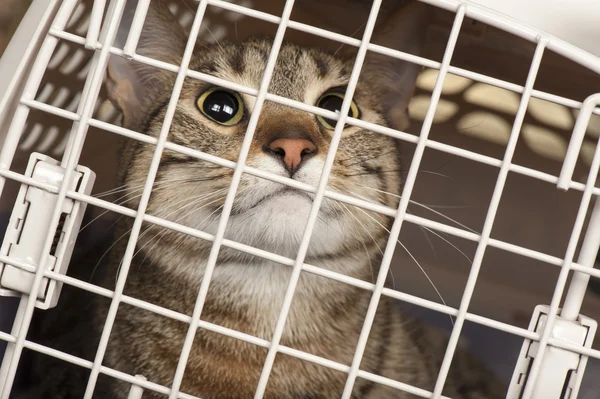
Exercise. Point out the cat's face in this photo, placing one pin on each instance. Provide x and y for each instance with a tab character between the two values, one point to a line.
287	142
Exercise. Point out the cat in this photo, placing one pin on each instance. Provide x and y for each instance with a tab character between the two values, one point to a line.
246	292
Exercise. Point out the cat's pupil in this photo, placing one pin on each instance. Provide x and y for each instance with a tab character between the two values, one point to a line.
331	103
220	106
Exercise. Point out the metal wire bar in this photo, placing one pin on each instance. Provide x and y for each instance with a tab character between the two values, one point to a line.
135	29
11	140
476	77
417	220
95	22
93	66
490	217
260	342
591	240
306	267
145	197
228	204
305	241
467	154
476	12
351	121
420	221
403	205
25	310
587	256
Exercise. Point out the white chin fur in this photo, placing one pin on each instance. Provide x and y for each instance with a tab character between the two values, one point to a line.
277	223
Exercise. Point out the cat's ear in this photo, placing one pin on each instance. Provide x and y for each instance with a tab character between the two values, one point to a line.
394	79
134	87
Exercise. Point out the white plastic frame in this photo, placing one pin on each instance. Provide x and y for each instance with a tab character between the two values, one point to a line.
33	205
580	332
101	40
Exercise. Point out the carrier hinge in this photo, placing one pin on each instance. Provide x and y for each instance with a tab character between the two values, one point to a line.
561	370
29	225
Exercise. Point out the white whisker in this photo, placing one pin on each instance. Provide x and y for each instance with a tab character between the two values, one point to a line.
127	197
197	226
449	243
106	211
422	230
193	202
106	253
352	35
413	258
431	172
141	235
445	217
363	242
426	276
421	205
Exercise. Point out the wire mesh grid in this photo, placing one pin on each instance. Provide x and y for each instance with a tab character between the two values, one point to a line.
83	118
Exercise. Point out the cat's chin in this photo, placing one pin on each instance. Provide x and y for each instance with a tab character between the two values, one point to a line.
287	202
282	214
277	223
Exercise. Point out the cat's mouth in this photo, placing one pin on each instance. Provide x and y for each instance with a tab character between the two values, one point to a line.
287	191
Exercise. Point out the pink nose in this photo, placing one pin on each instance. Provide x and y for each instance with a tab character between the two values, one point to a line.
292	151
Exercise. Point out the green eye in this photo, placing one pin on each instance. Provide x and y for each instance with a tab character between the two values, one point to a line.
333	102
221	106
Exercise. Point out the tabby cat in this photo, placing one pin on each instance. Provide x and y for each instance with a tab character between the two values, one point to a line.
246	292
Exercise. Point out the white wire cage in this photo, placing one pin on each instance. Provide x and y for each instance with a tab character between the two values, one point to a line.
84	108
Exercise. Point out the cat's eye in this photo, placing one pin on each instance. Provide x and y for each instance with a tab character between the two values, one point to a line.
221	106
333	102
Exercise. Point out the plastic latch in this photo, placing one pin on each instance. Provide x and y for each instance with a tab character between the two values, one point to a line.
561	370
29	225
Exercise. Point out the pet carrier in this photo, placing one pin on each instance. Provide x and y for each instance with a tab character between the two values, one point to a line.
503	139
